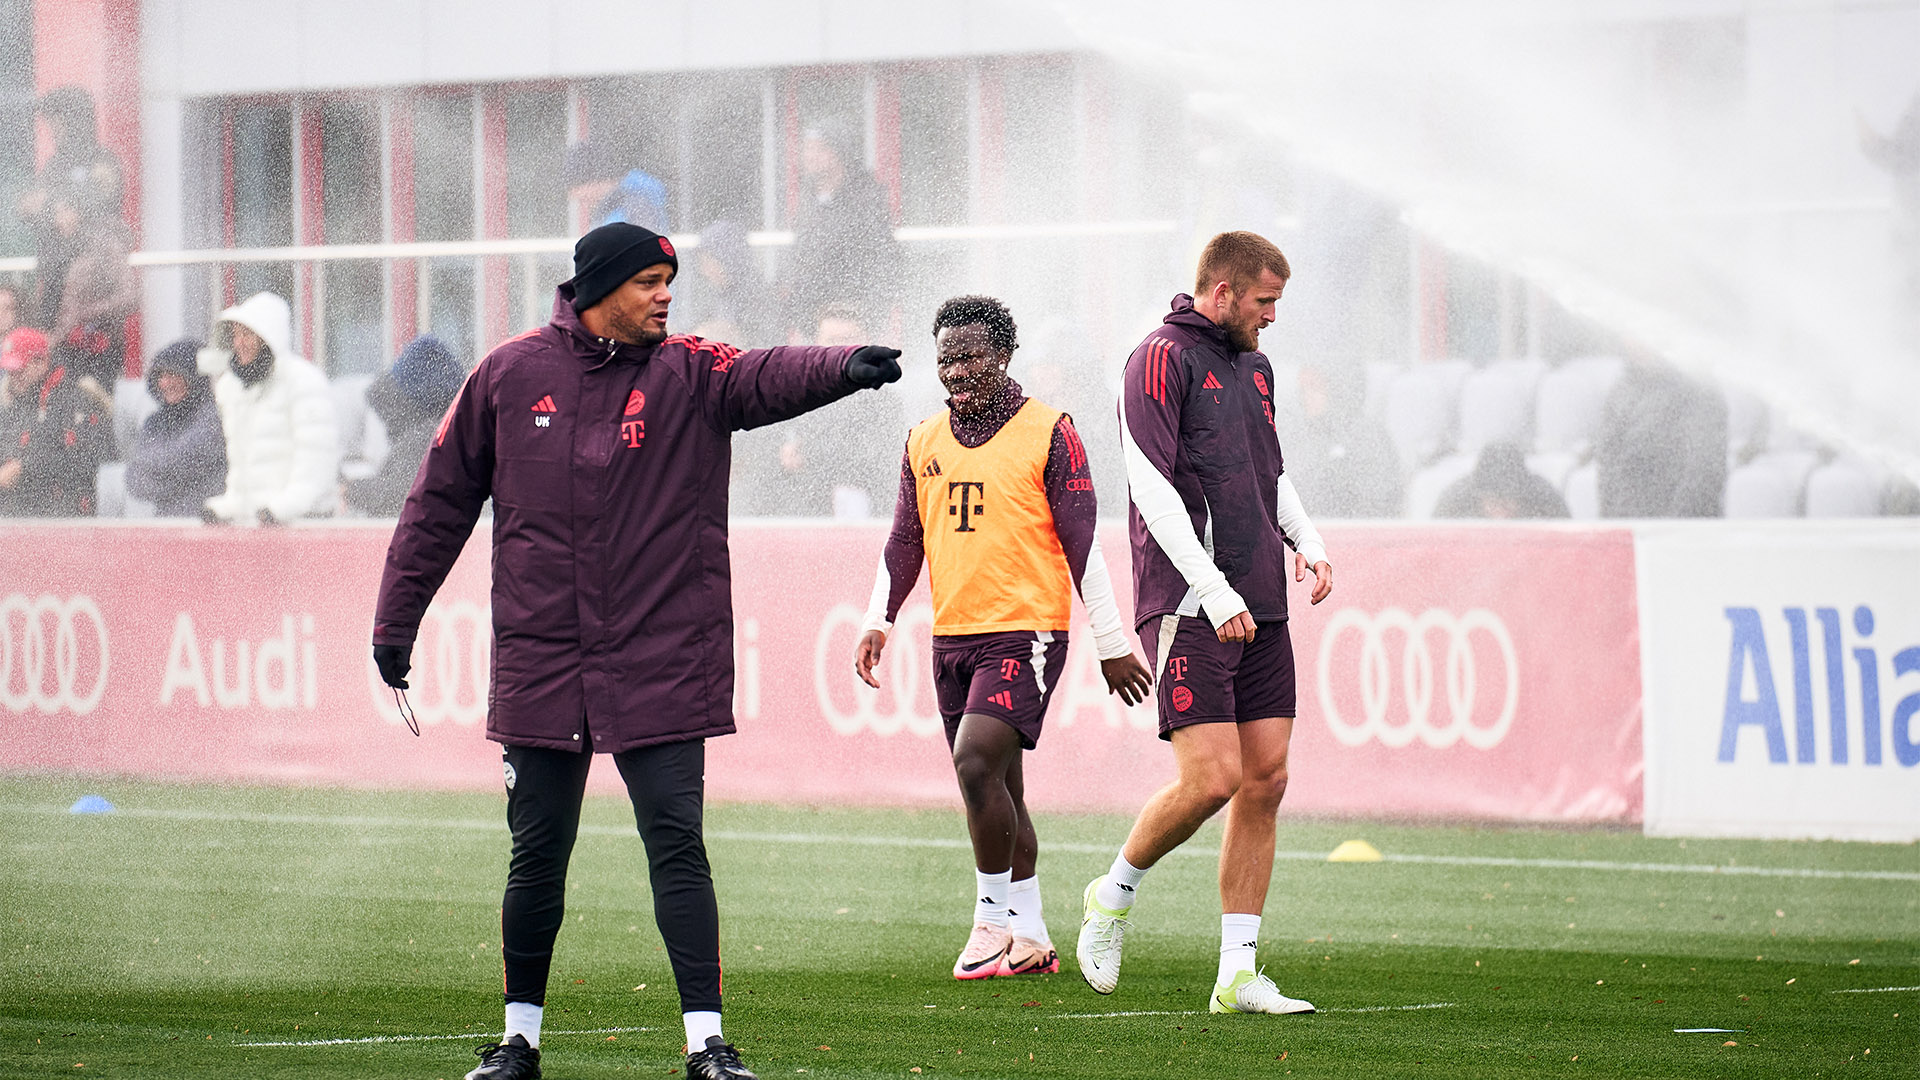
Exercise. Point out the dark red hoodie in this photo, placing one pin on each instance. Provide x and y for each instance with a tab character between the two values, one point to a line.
607	464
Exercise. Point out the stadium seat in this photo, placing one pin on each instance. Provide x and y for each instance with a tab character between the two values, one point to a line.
110	498
1583	493
1496	404
363	438
131	407
1380	376
1427	485
1420	410
1747	422
1844	488
1769	486
1569	403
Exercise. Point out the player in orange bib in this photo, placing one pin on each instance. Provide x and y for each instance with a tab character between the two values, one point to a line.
995	493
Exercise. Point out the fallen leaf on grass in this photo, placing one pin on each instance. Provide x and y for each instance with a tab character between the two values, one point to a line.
1852	962
916	1068
840	911
642	986
826	1048
1729	1042
1028	1004
1793	980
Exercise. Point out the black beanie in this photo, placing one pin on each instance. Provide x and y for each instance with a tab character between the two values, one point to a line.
606	257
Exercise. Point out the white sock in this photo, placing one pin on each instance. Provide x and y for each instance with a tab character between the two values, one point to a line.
523	1020
701	1026
991	907
1115	891
1023	911
1239	938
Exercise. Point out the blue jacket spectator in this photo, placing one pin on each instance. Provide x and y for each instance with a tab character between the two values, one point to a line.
409	399
179	458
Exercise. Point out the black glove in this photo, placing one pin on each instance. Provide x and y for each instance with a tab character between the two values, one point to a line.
873	366
266	517
394	661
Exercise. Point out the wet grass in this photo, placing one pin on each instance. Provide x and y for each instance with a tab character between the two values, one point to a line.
173	936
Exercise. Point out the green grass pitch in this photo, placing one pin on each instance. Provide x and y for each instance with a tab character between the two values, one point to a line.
216	932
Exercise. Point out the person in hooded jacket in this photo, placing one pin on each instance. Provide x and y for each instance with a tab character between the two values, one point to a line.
604	444
179	457
410	398
52	434
283	448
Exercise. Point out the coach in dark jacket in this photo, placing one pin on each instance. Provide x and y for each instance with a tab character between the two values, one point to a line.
410	398
179	458
604	445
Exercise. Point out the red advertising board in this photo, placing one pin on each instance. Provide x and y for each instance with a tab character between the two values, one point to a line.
1475	672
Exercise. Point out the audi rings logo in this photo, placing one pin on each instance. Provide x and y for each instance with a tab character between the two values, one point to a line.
851	706
1468	641
53	654
452	666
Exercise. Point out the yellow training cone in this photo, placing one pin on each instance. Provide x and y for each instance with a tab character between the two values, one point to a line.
1355	851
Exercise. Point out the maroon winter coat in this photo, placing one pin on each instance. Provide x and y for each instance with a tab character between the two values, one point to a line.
607	464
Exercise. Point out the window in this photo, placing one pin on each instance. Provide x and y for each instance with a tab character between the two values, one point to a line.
354	292
443	209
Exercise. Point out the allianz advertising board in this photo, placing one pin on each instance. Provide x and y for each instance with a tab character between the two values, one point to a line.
1782	680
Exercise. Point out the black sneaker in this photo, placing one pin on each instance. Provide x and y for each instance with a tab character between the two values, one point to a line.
719	1061
510	1060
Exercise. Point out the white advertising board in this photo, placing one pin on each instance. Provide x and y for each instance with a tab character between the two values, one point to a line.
1781	667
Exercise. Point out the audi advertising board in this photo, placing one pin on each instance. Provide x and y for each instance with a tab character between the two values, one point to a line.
1465	672
1783	679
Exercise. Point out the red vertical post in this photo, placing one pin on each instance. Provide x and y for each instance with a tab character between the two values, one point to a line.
1433	301
790	143
403	275
311	165
228	233
886	136
95	45
493	216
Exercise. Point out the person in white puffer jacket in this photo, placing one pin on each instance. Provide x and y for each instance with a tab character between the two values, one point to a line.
283	447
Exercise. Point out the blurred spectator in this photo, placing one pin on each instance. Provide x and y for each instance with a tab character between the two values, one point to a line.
283	451
607	186
82	170
1501	486
410	398
1342	461
10	299
52	435
1899	155
840	461
725	298
179	458
1662	446
100	291
843	248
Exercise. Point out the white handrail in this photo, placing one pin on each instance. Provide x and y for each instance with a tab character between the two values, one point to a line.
563	245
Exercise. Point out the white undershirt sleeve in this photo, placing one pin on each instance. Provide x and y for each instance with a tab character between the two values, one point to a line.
1166	520
1096	592
1298	527
876	618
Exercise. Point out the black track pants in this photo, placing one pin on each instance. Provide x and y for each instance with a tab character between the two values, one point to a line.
667	786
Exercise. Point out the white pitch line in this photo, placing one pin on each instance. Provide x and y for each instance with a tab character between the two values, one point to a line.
1196	1012
1877	990
431	1038
955	843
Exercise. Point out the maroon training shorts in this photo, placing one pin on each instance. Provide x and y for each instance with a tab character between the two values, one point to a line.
1009	676
1203	680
